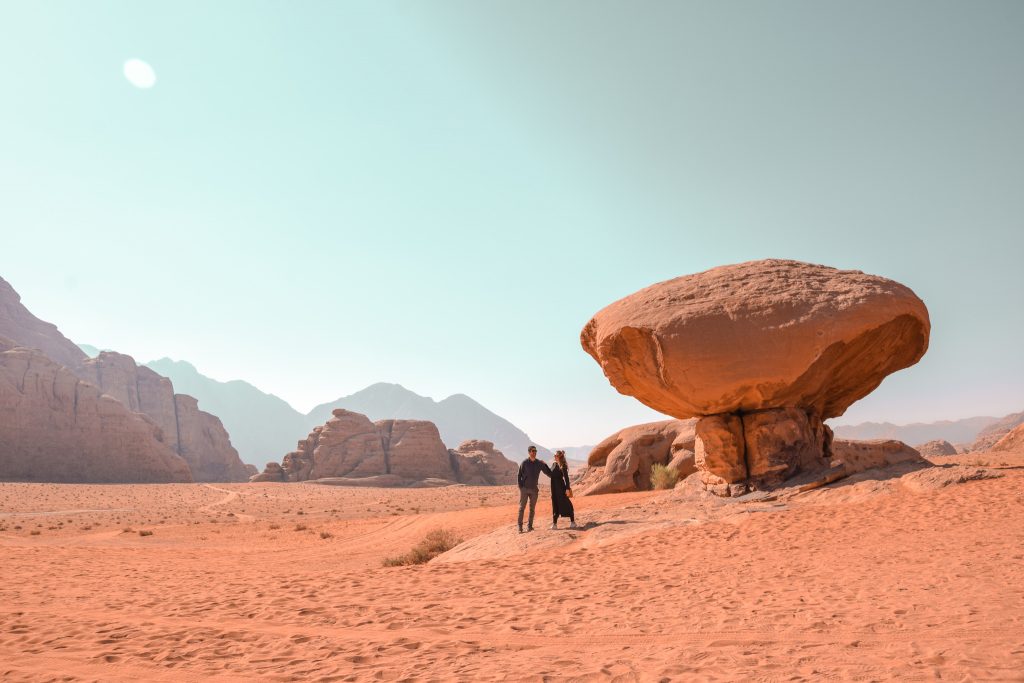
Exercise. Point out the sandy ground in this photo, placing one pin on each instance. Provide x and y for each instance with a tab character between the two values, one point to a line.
871	580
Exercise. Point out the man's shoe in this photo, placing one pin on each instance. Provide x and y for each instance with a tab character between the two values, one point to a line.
520	529
529	528
574	525
554	525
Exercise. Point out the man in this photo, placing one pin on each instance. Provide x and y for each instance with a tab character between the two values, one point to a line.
529	475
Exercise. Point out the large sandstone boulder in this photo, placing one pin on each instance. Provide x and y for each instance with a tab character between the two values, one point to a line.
757	335
56	428
935	448
762	352
623	461
478	463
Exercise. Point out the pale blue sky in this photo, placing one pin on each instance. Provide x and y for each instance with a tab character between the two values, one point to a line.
318	196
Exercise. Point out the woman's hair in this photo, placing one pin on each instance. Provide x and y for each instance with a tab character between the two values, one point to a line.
560	459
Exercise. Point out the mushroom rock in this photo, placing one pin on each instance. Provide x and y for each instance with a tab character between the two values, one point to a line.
623	461
762	352
936	447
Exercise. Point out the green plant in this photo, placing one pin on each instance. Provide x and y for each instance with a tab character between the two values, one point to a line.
432	545
663	478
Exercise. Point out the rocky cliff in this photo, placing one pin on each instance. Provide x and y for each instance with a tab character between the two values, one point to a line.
56	428
196	436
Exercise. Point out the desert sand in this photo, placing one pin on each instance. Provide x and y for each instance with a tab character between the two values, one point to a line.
874	578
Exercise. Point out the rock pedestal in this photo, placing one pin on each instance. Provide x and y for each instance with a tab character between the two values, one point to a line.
737	453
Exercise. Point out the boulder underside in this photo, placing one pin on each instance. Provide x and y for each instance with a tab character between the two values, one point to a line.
740	452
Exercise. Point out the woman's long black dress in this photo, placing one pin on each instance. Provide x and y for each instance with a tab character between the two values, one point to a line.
561	506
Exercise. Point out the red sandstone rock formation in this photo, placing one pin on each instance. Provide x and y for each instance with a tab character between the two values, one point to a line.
476	462
56	428
623	461
197	436
1011	441
858	456
762	352
936	447
394	452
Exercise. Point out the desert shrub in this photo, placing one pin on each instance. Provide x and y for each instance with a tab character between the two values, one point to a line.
326	534
300	527
663	477
145	532
432	545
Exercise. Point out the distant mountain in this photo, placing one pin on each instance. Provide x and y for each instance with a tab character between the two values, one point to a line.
953	431
457	417
262	426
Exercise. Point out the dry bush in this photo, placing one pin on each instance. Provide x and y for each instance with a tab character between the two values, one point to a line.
432	545
145	532
663	478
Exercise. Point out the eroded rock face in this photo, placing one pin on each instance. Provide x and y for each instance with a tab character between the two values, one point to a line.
197	436
139	389
1011	441
476	462
858	456
623	461
349	447
18	325
936	447
56	428
203	443
758	335
762	352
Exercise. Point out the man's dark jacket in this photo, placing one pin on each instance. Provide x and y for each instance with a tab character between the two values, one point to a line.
529	472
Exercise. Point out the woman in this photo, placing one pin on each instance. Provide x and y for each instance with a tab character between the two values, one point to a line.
561	506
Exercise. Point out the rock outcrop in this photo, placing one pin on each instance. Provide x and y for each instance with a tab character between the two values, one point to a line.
195	435
476	462
762	352
935	448
623	461
350	447
56	428
991	435
18	325
858	456
1011	441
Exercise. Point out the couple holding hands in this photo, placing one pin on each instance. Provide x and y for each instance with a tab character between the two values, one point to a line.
529	476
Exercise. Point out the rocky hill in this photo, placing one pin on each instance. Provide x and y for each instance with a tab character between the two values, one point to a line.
54	427
198	437
349	447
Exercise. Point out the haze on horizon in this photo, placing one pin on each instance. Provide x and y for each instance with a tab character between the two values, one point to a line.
315	198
